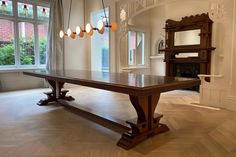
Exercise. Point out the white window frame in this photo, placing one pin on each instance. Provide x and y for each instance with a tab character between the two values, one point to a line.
144	45
16	20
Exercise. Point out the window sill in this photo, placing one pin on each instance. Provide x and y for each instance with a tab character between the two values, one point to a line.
157	57
134	67
14	70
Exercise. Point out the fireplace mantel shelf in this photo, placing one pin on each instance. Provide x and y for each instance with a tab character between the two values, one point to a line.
187	60
187	49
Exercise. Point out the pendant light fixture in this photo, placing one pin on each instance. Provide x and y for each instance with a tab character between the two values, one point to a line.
100	24
88	28
69	32
79	30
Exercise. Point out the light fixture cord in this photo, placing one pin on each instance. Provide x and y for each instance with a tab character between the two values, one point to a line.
69	14
104	12
84	13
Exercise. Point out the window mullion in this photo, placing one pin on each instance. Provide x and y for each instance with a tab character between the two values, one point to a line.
16	34
36	44
36	41
17	47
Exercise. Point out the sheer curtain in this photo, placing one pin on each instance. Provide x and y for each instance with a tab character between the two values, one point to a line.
55	46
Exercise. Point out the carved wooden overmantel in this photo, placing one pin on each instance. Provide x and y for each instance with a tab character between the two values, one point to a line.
203	59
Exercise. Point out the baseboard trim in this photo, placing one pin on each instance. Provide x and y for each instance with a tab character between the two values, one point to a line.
230	103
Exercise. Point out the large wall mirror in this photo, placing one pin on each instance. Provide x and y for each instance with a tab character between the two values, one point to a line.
189	37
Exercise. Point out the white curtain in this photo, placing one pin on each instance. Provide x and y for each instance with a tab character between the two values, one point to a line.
55	46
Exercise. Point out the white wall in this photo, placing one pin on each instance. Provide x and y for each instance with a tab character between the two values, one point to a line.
158	18
231	97
219	92
17	81
76	53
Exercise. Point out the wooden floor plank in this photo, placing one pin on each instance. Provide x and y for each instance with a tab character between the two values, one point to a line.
28	130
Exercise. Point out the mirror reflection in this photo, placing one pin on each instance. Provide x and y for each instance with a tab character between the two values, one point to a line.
190	37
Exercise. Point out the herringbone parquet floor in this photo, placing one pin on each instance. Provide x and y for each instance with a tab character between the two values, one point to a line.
28	130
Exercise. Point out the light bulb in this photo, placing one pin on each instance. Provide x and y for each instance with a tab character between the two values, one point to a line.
89	29
100	26
69	32
79	31
61	34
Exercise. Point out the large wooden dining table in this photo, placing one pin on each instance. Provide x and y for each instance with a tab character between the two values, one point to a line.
143	90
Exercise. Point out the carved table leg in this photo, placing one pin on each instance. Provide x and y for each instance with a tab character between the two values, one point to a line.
56	93
146	125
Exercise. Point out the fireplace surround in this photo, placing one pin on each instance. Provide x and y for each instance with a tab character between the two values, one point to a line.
188	66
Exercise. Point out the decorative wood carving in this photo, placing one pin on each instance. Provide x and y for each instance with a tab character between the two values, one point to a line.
56	94
204	49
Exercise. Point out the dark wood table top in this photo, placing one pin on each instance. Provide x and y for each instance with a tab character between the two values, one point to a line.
129	83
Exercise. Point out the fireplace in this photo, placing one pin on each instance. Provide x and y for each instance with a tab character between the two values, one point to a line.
186	70
188	46
190	70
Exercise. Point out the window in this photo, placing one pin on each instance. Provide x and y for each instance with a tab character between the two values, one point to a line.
100	54
7	48
6	7
23	34
26	43
25	10
43	13
136	48
42	34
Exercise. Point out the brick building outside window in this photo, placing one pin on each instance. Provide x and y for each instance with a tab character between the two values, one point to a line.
23	34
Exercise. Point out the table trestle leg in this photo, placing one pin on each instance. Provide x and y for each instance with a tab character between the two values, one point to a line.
146	124
56	94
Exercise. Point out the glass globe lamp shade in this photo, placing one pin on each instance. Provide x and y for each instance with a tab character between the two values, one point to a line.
61	34
68	32
100	26
72	35
79	31
89	29
114	27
